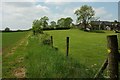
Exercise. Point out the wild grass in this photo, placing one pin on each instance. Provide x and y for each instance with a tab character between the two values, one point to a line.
43	61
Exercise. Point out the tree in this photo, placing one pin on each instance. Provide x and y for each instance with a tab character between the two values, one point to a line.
84	15
60	22
36	27
116	25
68	22
7	29
65	22
44	21
53	24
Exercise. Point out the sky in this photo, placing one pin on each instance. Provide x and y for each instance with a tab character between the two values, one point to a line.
20	14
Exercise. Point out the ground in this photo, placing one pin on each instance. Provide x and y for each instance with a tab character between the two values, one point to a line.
29	58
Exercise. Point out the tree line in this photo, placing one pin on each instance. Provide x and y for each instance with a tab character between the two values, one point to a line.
42	24
84	15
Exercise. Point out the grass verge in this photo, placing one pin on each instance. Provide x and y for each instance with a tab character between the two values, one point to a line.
43	61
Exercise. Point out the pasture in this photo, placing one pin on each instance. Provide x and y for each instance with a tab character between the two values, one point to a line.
88	50
0	40
11	39
11	42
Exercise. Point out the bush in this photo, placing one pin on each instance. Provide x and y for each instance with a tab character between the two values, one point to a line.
47	42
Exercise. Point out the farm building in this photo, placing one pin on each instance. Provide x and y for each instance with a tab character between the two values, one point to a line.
105	25
101	25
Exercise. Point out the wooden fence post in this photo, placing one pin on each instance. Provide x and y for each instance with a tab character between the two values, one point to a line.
118	41
112	57
51	41
67	46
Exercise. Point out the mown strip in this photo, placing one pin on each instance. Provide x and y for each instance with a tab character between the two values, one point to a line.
13	64
11	39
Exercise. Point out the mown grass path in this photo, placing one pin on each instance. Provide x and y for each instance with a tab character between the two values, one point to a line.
13	60
20	71
19	43
10	40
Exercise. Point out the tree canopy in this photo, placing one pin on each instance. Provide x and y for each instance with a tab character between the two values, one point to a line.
44	21
38	25
84	15
7	29
65	22
53	24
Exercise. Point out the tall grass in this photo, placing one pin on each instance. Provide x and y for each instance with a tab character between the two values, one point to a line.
43	61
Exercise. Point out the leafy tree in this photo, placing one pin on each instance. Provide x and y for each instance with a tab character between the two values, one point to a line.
44	21
116	25
53	24
65	22
7	29
60	22
68	21
84	15
36	27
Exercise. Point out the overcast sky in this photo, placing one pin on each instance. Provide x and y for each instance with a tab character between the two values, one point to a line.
20	15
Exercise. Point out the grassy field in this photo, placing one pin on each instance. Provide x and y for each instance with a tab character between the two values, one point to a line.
32	59
11	39
12	42
89	48
0	40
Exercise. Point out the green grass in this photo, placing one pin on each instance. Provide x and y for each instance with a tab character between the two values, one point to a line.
43	61
88	48
9	63
10	39
0	54
0	39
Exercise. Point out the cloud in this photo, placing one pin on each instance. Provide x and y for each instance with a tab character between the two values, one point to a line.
60	1
17	16
19	0
1	15
56	2
100	11
103	13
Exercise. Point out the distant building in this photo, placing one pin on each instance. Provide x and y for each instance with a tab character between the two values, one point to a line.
101	25
105	25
